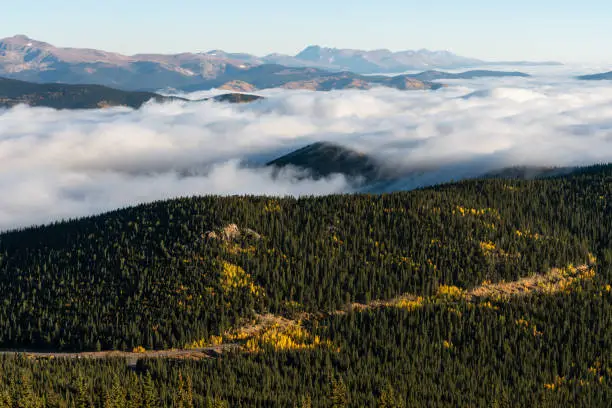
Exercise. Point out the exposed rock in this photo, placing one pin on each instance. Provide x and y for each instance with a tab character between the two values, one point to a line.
404	83
329	83
231	232
238	86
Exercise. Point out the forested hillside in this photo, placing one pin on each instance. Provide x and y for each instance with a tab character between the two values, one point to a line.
481	293
64	96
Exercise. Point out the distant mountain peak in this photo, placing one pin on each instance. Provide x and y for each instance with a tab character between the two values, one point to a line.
23	40
313	48
311	52
21	37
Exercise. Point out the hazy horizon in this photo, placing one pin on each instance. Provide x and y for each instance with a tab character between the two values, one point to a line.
504	31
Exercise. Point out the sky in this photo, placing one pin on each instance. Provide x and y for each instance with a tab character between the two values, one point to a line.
561	30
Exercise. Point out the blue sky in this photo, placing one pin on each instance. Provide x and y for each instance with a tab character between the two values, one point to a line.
564	30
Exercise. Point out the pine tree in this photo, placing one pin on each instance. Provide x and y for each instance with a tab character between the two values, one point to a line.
390	399
339	396
150	398
116	397
6	401
216	403
26	398
83	399
306	402
185	392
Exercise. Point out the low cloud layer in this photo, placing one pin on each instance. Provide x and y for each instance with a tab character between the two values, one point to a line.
65	164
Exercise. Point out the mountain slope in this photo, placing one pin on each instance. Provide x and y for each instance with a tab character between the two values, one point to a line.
436	75
169	273
236	98
401	299
36	61
381	61
27	59
323	159
597	77
278	76
63	96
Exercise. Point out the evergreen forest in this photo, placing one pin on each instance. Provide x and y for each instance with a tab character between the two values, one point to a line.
482	293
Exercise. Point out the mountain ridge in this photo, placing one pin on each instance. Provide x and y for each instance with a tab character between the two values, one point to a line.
66	96
603	76
24	58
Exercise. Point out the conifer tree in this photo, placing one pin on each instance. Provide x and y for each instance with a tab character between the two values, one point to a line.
83	398
150	398
339	397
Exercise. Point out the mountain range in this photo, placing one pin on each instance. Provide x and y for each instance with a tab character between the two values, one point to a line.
86	96
31	60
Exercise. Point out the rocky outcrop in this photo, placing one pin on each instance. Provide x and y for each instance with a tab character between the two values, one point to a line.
238	86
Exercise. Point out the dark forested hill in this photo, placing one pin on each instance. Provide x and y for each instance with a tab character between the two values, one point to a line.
481	293
322	159
63	96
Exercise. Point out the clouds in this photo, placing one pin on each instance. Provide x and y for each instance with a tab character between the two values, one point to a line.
60	164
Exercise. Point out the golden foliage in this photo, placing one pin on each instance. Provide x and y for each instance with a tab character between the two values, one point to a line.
488	305
556	384
528	327
409	304
272	206
476	212
568	279
489	249
236	249
204	343
451	292
288	337
528	234
139	349
234	277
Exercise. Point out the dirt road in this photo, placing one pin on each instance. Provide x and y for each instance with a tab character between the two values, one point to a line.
131	357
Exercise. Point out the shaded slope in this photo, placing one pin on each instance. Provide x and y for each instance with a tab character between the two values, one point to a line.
236	98
597	77
436	75
323	159
62	96
529	172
